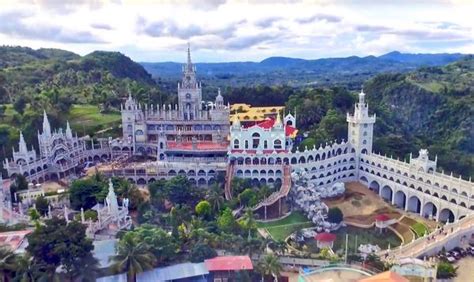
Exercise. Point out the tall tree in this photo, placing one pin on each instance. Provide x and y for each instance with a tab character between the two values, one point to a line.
215	198
56	243
270	265
132	256
7	263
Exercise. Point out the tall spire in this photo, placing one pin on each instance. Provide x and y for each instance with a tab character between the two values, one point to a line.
22	144
190	64
362	96
46	125
68	131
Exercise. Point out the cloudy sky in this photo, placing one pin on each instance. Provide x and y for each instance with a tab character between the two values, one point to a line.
233	30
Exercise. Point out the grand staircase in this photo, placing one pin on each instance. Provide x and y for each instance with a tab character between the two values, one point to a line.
283	192
229	174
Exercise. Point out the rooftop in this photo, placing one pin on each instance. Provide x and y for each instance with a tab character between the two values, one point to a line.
227	263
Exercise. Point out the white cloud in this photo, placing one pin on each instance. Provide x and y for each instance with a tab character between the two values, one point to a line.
233	30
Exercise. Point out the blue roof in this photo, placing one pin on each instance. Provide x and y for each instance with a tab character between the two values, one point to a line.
173	272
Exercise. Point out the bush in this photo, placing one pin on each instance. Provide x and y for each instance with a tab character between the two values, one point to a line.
335	215
200	252
445	270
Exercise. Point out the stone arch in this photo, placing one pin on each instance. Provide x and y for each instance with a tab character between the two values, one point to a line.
400	199
141	181
202	182
131	180
414	204
364	179
302	160
151	180
293	160
446	215
374	186
386	193
429	209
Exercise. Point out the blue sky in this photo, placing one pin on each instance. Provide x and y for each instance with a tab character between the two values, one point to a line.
251	30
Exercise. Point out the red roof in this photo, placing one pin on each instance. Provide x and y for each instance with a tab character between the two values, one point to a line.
229	263
268	123
325	237
382	217
289	130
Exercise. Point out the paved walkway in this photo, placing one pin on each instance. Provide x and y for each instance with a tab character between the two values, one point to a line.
437	238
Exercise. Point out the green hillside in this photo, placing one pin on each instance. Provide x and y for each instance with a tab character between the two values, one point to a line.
431	107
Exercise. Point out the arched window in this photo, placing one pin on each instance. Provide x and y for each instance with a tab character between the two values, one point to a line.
364	142
277	144
255	140
236	144
139	132
129	127
246	144
265	144
188	96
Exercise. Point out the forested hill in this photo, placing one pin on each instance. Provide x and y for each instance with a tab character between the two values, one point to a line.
349	71
431	107
24	71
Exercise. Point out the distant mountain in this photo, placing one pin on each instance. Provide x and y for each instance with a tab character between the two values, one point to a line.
294	71
422	59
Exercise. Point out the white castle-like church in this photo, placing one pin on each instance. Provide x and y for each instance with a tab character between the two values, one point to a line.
199	140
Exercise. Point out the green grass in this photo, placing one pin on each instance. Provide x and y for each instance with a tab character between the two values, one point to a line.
88	119
294	217
280	233
420	229
283	228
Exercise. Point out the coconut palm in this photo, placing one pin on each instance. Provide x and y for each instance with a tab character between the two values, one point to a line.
215	197
7	263
248	221
132	256
270	265
27	270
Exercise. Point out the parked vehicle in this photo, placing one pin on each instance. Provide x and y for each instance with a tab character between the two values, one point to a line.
450	259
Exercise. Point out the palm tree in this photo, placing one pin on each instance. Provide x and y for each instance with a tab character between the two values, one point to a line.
248	221
7	263
132	256
27	270
270	265
215	197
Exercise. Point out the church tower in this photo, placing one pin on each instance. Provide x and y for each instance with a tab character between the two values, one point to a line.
189	92
360	127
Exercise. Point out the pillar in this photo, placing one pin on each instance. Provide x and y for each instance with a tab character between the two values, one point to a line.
406	202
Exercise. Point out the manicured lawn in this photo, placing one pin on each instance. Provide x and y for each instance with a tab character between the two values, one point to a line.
280	233
420	229
283	228
294	217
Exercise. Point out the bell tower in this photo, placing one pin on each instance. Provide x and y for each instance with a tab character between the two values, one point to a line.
360	127
189	91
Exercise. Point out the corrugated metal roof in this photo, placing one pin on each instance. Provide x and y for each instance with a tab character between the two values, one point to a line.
173	272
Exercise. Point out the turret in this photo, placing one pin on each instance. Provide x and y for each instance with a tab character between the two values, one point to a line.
46	125
219	100
360	126
68	131
22	145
